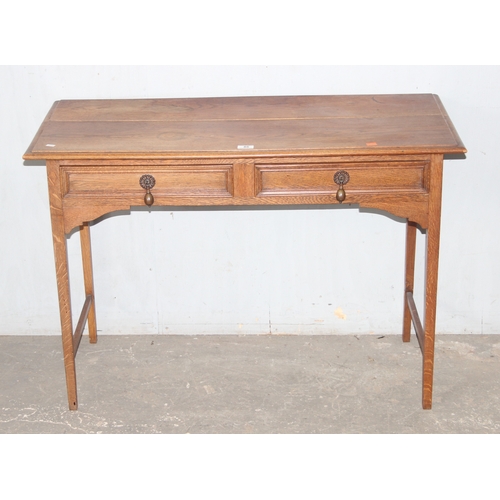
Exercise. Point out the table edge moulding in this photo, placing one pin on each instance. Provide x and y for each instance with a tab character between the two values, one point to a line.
374	151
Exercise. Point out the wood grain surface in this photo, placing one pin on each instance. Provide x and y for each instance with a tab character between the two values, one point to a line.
314	124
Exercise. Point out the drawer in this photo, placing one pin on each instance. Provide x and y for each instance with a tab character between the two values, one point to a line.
316	179
169	181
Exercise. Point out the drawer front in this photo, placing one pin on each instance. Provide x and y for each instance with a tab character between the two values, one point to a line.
373	177
113	181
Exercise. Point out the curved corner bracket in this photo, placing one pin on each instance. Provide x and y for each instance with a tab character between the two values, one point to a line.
412	211
75	216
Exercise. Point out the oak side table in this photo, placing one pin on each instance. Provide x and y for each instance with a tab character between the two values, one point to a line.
379	151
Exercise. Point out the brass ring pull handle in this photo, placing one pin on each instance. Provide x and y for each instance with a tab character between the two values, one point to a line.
147	182
341	178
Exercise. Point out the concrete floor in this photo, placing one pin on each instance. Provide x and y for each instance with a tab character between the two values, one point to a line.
250	384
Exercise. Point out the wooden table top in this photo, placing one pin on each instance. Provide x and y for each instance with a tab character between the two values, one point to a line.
245	126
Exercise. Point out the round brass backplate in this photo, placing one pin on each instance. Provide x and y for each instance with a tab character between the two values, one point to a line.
147	181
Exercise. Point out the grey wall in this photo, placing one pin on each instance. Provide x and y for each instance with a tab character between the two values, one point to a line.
313	271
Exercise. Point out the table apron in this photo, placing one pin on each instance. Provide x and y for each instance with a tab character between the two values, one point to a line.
398	185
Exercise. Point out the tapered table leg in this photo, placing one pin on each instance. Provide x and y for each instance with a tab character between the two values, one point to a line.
431	276
411	243
62	276
88	279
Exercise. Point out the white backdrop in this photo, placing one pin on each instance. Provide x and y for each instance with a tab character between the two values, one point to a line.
311	271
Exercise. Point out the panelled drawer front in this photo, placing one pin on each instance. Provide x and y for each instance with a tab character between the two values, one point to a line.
303	179
185	181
